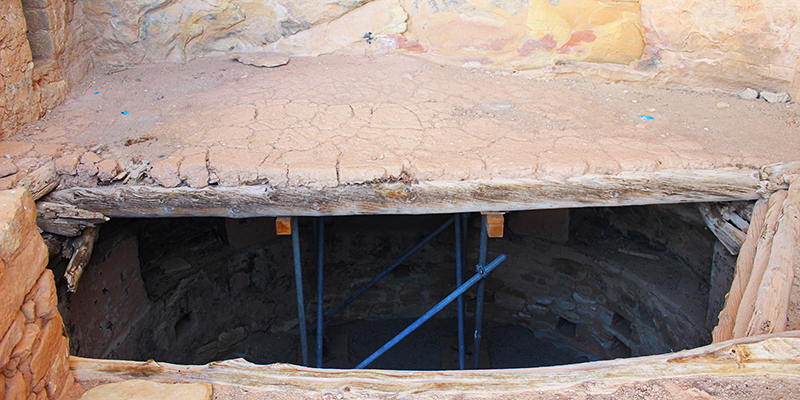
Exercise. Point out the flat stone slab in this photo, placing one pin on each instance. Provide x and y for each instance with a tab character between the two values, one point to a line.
139	389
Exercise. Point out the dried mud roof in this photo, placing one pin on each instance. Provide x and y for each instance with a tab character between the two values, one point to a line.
390	134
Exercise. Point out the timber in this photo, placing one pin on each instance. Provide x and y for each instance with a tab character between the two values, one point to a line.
41	181
772	304
65	219
760	262
624	189
83	246
744	267
730	236
777	354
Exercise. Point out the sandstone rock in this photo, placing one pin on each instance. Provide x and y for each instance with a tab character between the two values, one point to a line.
7	167
146	390
16	388
194	171
29	311
44	296
107	170
21	274
17	213
166	171
235	167
87	170
774	97
10	149
268	60
748	94
12	336
8	182
47	348
90	157
58	377
25	345
67	164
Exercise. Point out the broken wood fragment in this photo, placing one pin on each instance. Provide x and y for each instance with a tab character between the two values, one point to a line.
283	226
729	235
41	181
83	247
772	303
744	268
65	219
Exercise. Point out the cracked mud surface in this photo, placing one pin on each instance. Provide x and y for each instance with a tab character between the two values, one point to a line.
335	120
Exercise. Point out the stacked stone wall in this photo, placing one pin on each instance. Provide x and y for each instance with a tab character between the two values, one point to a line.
34	353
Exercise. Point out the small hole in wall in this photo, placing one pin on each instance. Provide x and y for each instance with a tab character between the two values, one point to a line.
566	327
183	326
621	325
619	349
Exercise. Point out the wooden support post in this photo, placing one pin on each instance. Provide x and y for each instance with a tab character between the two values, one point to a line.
494	224
283	226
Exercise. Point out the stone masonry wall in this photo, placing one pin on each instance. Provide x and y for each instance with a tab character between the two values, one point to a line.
42	53
33	349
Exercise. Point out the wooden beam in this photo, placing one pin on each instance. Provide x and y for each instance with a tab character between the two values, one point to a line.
41	181
729	235
283	226
83	246
772	303
624	189
777	354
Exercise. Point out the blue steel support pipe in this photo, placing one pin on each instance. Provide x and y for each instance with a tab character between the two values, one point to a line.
298	281
320	262
459	281
433	311
476	350
385	272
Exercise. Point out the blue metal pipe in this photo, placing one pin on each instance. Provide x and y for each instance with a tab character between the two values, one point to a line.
459	281
479	301
385	272
320	262
438	307
298	281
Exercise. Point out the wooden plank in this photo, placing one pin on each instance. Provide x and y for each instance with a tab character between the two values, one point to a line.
624	189
760	262
283	226
774	354
729	235
744	268
41	181
772	303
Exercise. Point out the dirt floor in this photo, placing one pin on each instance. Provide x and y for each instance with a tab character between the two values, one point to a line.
326	121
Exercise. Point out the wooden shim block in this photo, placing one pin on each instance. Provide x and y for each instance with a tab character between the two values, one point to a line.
283	226
754	356
772	303
495	224
760	262
629	188
80	258
41	181
729	235
744	267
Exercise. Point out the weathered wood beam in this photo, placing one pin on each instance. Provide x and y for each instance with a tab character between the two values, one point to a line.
65	219
41	181
776	354
624	189
83	246
772	303
729	235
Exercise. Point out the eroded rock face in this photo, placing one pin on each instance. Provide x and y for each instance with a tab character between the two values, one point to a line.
695	44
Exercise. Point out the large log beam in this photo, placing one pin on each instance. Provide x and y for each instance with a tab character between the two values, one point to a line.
624	189
777	354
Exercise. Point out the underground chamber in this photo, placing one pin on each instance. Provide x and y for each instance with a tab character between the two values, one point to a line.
578	285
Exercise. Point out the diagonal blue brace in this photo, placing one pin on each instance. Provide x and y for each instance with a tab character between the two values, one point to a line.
433	311
385	272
